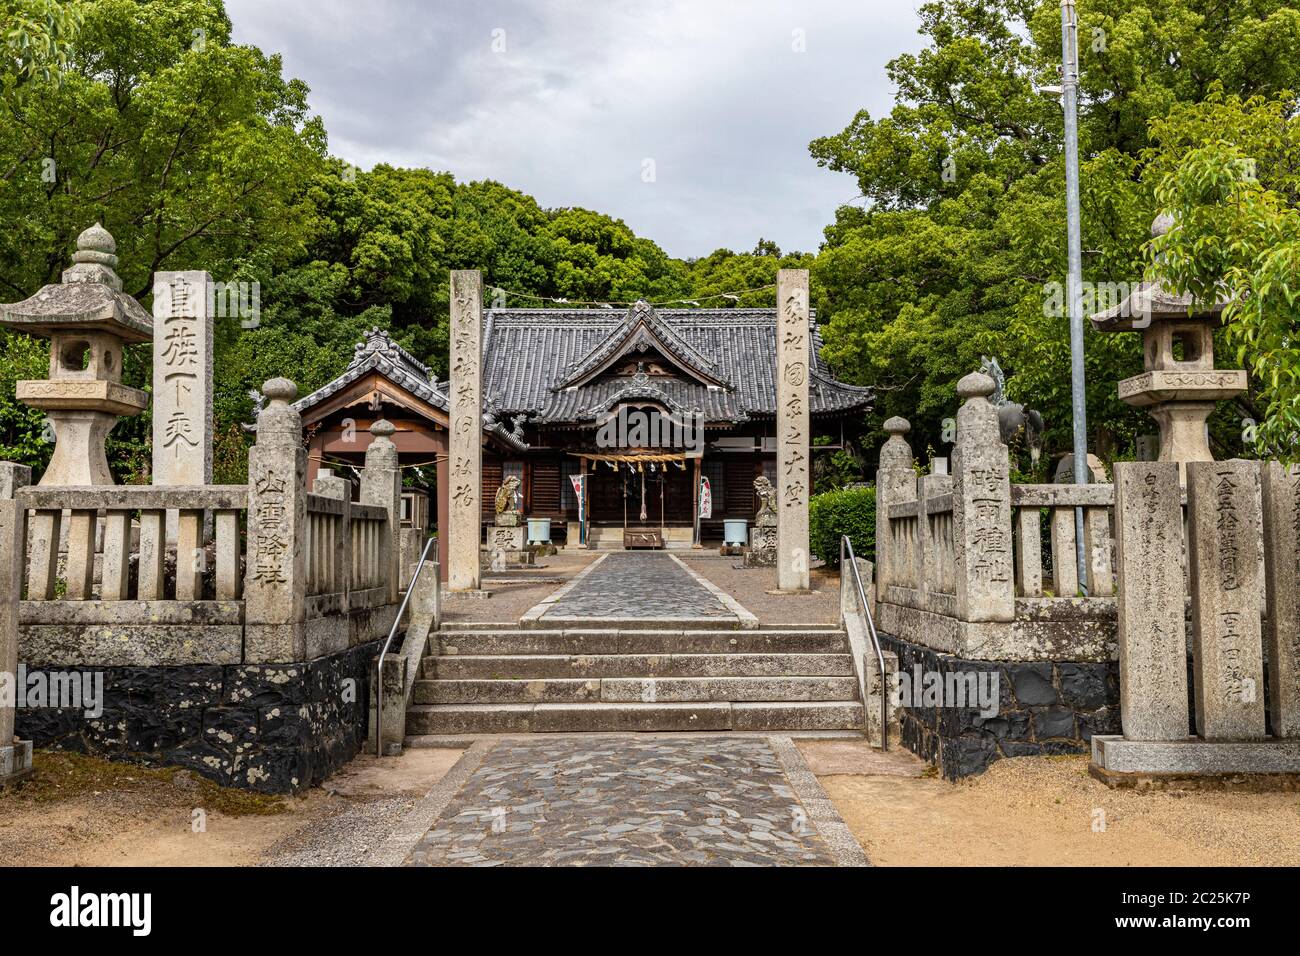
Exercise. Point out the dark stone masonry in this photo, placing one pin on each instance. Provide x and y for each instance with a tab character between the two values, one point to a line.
1044	708
273	728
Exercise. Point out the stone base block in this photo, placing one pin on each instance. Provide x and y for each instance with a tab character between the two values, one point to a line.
1195	758
508	519
502	560
760	558
15	762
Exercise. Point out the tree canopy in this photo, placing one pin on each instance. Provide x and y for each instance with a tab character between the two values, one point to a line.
199	153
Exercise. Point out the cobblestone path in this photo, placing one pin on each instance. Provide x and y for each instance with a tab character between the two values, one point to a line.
629	801
630	584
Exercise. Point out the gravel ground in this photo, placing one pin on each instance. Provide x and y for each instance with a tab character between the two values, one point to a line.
344	837
750	586
514	593
1047	811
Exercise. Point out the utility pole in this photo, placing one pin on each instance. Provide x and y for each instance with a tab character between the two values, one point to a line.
1074	281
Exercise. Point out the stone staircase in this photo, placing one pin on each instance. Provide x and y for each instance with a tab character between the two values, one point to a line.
488	679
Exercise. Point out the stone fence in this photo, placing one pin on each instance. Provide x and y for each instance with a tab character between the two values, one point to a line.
961	562
977	576
242	647
977	580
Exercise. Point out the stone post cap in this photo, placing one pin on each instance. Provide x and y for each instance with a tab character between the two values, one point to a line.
12	477
280	391
279	423
897	426
975	385
383	429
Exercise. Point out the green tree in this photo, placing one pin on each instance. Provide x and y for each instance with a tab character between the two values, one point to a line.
190	149
963	237
1229	173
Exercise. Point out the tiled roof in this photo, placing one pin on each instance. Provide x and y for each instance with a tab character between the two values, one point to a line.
529	355
379	353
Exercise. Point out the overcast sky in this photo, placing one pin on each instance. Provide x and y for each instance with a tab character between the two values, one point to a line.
580	102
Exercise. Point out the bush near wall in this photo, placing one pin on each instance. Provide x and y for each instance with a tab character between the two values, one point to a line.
851	511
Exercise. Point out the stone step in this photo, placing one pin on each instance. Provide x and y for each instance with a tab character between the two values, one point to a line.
610	717
589	642
587	667
636	690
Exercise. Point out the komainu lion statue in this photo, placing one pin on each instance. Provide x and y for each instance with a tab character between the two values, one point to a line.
763	488
508	496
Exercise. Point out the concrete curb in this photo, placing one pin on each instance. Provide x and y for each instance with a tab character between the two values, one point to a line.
402	840
821	812
748	622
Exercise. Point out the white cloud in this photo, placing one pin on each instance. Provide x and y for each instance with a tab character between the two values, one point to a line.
713	91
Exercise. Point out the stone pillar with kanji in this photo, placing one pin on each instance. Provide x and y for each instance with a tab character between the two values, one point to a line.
182	396
466	449
275	583
793	454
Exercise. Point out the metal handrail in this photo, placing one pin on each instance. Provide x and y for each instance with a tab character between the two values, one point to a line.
397	622
847	545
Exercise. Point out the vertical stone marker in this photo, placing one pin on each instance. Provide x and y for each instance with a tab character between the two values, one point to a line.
466	445
1282	570
182	407
14	759
1227	647
1152	629
981	492
794	476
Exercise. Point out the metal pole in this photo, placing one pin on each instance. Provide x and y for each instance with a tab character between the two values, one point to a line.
1074	282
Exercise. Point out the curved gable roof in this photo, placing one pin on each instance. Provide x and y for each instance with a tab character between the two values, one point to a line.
544	362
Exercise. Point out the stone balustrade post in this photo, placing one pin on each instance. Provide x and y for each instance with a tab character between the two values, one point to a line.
329	486
275	581
1282	574
15	756
381	484
930	565
981	508
895	481
1152	628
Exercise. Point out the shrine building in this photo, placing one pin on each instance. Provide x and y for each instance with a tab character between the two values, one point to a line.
657	408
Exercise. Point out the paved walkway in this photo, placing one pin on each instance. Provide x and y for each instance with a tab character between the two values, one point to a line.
621	800
638	586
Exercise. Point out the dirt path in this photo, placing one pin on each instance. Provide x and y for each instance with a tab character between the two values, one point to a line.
84	812
1046	811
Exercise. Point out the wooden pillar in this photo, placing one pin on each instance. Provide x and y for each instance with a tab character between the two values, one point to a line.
586	504
695	503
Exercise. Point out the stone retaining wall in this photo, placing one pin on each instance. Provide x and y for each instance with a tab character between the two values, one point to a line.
273	728
1045	707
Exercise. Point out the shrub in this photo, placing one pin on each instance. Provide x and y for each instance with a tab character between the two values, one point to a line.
851	511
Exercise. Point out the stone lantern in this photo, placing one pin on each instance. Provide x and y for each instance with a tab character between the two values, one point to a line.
1180	385
88	319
